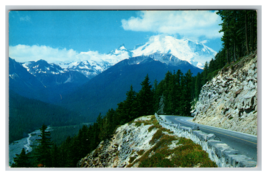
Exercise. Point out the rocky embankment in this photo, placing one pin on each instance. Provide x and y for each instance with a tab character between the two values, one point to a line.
145	143
229	100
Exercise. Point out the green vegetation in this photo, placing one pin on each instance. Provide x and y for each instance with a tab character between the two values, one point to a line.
60	133
185	154
140	152
70	151
27	115
239	39
21	160
177	91
41	154
188	154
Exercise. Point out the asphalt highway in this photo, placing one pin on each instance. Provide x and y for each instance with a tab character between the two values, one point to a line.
246	144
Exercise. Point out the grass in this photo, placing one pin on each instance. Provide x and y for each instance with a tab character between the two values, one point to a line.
186	153
132	159
138	123
156	137
140	152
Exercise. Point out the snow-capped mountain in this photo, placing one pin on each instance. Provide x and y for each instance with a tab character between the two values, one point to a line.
108	88
89	68
193	52
166	49
41	66
50	74
43	81
22	82
92	63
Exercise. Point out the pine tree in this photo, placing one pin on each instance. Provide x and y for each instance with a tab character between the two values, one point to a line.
55	156
21	160
187	93
129	104
43	149
145	98
166	93
111	120
179	92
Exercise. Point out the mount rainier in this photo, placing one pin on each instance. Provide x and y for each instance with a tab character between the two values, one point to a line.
165	49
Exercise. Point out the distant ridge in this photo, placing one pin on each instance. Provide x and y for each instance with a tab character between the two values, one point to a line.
107	89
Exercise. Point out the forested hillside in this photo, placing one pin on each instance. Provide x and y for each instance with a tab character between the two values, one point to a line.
239	29
27	115
179	91
107	89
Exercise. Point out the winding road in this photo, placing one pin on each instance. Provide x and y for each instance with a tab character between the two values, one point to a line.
246	144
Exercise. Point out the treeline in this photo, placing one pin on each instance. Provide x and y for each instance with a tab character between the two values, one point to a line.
240	33
27	115
239	38
73	149
176	92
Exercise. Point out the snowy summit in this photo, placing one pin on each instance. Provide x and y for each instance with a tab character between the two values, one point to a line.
194	53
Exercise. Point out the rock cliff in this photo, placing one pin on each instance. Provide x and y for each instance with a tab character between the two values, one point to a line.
145	143
229	100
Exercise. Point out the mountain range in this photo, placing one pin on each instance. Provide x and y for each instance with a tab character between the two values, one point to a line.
90	87
107	89
183	49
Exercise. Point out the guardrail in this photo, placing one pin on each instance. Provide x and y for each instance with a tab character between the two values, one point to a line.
219	152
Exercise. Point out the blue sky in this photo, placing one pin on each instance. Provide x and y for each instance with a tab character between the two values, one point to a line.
103	31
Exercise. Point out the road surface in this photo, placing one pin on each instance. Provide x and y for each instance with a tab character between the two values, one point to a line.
244	143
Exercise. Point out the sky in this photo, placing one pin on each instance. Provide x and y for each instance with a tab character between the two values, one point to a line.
63	35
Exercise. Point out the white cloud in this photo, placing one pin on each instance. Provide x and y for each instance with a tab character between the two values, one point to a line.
24	53
190	24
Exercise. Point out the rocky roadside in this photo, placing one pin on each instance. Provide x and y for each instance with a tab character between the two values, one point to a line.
229	100
144	143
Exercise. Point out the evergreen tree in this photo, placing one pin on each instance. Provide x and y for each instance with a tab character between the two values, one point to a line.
179	92
188	92
157	95
21	160
145	98
43	149
111	120
129	104
55	156
166	93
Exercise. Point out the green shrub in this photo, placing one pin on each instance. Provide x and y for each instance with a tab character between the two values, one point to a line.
138	123
155	137
140	152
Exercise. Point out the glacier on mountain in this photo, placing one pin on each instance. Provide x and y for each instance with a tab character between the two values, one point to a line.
184	49
166	49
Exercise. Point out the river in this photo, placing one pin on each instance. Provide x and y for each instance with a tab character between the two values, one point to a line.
27	143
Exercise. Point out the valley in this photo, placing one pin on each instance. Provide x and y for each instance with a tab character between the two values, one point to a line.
58	135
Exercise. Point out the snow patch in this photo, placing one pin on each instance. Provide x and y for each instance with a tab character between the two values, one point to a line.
25	66
186	50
